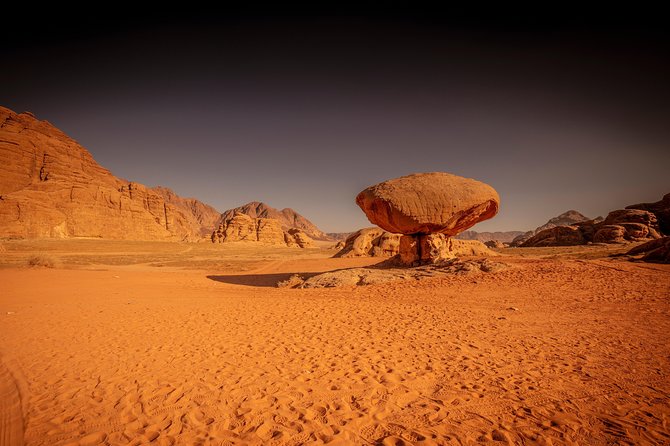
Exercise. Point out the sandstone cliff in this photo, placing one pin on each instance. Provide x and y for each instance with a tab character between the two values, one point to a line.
287	217
50	186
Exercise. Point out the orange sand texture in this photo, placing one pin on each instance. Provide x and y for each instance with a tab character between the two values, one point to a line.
551	350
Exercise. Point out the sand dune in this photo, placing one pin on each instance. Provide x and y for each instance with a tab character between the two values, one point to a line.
549	351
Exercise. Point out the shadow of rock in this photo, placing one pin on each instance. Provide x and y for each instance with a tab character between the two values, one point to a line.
258	280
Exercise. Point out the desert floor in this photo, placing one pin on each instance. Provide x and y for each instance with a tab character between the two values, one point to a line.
130	343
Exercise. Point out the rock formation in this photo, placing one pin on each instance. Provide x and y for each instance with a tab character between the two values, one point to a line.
242	228
287	217
656	251
620	226
428	209
565	219
50	186
661	209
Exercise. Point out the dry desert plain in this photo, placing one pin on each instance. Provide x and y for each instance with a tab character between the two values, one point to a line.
168	343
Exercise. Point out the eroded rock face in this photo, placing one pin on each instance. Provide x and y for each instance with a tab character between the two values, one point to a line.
427	203
242	228
370	242
620	226
50	186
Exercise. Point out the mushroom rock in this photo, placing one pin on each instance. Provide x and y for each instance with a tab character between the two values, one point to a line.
428	208
427	203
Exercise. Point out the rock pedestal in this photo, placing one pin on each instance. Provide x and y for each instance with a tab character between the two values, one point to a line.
427	249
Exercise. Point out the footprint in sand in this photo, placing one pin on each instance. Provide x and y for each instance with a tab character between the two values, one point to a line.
11	414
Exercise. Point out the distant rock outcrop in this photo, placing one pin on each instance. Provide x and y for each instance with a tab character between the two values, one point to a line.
288	218
504	237
427	209
338	235
242	228
497	244
565	219
620	226
50	186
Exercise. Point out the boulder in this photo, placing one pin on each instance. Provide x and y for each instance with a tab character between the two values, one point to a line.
427	203
370	242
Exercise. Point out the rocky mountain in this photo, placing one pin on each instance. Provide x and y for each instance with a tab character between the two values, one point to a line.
50	186
565	219
504	237
287	217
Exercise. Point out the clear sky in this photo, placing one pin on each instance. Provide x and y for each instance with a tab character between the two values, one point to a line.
304	110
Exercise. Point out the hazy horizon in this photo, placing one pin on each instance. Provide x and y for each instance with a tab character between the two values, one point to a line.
304	112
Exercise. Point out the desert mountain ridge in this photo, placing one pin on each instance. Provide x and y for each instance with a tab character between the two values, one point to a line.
501	236
288	218
51	187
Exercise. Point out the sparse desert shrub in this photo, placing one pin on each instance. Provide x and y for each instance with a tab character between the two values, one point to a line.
42	260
